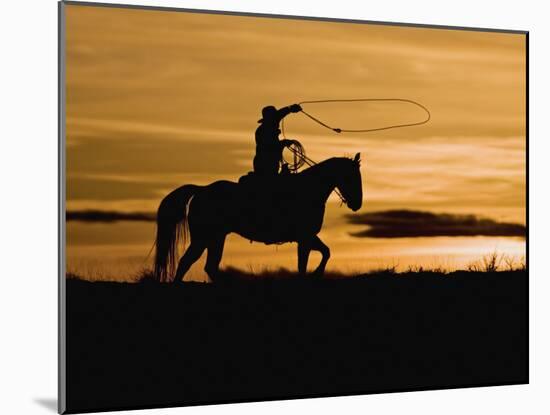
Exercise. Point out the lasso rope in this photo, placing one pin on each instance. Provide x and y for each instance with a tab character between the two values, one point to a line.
299	153
367	130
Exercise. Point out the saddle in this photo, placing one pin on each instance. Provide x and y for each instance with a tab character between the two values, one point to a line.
251	180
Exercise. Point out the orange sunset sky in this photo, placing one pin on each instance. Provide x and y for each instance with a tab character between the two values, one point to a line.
156	99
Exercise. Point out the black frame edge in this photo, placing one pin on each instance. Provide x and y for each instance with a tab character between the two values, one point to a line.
61	345
284	16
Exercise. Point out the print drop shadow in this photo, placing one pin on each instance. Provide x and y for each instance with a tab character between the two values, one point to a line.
48	403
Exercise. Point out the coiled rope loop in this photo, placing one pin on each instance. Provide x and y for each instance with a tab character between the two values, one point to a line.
367	130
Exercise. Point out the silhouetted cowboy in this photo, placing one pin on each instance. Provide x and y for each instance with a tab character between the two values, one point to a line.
269	149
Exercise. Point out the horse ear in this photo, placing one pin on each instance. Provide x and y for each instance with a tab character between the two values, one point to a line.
357	158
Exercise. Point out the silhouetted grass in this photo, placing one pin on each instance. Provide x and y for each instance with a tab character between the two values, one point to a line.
492	263
495	262
489	264
285	275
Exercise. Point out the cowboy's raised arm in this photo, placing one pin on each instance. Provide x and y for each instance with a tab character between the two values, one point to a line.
283	112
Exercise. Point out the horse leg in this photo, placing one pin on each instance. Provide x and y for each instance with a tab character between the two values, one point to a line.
304	248
215	251
318	245
192	254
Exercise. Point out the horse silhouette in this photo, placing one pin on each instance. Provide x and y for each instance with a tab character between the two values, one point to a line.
283	209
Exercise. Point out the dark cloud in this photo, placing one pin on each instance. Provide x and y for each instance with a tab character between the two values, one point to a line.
108	216
410	223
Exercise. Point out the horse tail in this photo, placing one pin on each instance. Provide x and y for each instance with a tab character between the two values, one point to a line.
171	227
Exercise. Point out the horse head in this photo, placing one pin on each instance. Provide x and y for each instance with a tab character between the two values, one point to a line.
350	184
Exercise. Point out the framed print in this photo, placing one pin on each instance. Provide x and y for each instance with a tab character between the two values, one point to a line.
259	207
